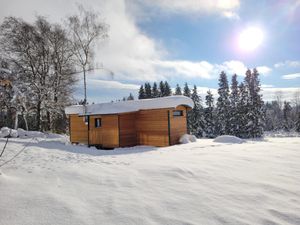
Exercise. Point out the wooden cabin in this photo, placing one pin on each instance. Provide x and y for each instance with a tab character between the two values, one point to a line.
155	122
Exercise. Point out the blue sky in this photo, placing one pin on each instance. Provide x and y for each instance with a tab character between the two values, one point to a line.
184	41
212	38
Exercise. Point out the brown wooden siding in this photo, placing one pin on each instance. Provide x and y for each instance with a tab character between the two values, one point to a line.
110	131
127	129
146	127
78	129
152	127
95	134
178	125
107	135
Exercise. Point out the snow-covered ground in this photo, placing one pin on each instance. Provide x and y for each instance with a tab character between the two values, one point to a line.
205	182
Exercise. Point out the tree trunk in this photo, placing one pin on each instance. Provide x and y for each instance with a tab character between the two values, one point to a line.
48	121
25	120
84	83
16	120
38	116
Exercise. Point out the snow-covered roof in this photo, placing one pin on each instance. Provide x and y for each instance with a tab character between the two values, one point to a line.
131	106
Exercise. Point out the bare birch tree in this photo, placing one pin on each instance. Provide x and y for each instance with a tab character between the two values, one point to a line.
85	30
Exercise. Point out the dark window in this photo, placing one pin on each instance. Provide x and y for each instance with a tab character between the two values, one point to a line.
98	122
177	113
86	119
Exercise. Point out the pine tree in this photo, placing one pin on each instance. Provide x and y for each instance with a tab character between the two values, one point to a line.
130	97
255	114
155	92
223	106
234	96
142	94
161	89
178	90
209	116
186	90
195	117
148	91
168	90
242	111
298	123
287	110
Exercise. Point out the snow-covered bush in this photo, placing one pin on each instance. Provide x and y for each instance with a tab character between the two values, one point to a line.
187	138
21	132
229	139
5	132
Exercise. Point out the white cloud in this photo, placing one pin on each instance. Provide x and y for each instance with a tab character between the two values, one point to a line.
184	68
264	70
95	84
231	15
267	85
291	76
268	91
287	63
202	69
232	67
226	8
129	53
105	90
287	94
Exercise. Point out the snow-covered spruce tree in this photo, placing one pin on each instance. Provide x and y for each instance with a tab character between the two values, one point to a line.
297	125
287	116
234	97
162	89
195	116
255	113
209	124
148	91
242	110
155	92
223	106
142	94
130	97
187	93
178	90
186	90
168	90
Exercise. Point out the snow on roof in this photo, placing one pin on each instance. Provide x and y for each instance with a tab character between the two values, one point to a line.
131	106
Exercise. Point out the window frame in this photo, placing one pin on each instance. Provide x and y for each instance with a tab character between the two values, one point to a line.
96	125
178	113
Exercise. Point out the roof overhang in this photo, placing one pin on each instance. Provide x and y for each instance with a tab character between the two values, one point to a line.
130	106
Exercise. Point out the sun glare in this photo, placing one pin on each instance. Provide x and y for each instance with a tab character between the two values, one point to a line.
250	38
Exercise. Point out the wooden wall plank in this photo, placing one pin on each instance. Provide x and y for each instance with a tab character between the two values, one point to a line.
110	131
152	127
95	135
178	125
78	130
127	129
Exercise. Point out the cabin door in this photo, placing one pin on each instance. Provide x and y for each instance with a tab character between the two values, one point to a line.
95	130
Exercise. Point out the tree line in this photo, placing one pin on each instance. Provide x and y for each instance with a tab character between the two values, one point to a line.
42	61
238	110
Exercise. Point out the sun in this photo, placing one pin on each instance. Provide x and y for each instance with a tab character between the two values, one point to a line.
250	38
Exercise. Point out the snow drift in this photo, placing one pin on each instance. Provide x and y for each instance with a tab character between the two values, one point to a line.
198	183
20	133
229	139
187	138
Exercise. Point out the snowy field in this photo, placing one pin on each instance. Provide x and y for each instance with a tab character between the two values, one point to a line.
206	182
